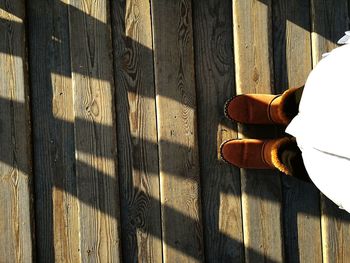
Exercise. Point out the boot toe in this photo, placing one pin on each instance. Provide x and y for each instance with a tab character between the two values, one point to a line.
231	152
237	109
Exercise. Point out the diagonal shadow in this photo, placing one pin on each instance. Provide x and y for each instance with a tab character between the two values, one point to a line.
55	141
59	181
298	18
43	95
138	215
298	12
281	19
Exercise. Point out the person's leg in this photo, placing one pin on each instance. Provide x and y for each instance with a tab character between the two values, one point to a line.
291	106
290	155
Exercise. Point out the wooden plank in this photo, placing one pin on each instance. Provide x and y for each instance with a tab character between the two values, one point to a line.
17	214
329	21
137	131
292	60
177	133
95	136
335	232
52	99
261	190
215	82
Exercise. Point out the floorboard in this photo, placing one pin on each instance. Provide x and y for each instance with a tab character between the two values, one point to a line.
215	82
177	131
293	63
137	131
53	134
261	190
94	127
16	221
329	20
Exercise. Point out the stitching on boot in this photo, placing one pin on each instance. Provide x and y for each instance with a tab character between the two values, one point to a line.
226	108
221	155
269	108
262	155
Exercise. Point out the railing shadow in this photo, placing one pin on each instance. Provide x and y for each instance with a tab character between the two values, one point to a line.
58	180
53	138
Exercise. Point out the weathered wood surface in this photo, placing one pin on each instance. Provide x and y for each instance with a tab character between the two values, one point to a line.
137	131
301	203
261	190
329	21
177	131
53	135
169	68
16	220
94	127
215	82
292	60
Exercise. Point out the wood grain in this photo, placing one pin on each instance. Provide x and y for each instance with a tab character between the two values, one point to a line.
95	136
292	60
137	131
261	190
329	20
16	220
252	45
177	131
167	71
52	110
215	82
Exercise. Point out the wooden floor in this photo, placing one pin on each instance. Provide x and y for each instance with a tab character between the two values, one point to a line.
111	118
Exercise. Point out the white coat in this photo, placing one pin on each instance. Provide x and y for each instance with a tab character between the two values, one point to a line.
322	126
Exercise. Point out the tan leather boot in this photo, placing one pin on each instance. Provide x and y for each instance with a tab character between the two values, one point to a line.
259	108
254	154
